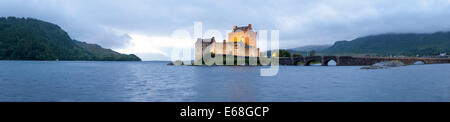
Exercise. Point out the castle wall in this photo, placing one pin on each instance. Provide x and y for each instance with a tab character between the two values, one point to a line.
241	42
248	37
237	49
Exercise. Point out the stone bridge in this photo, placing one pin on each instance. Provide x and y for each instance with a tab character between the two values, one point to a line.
356	61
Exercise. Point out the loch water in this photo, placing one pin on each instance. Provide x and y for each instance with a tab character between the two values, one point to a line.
155	81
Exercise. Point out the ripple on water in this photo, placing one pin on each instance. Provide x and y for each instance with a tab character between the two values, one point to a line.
155	81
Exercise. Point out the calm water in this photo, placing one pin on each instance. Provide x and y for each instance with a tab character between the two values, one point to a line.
155	81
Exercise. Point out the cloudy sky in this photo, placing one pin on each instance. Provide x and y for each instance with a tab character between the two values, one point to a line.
144	27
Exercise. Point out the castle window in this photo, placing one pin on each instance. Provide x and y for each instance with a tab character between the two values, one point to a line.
247	40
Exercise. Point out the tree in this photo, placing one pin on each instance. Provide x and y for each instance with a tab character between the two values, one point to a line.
312	53
297	55
284	53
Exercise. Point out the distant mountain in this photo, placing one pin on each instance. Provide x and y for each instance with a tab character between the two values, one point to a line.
305	49
393	44
96	52
311	47
32	39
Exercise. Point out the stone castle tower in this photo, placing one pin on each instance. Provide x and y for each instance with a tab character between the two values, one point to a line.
243	34
243	37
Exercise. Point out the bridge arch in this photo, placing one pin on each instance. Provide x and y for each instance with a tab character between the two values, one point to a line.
327	59
327	62
308	62
299	63
418	62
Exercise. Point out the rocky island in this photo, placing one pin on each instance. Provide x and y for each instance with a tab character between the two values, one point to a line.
385	64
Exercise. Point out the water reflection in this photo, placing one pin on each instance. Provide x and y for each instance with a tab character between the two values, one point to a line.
226	82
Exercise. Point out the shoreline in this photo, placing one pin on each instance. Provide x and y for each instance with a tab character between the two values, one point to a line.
70	60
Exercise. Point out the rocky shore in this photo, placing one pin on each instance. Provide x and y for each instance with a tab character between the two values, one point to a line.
386	64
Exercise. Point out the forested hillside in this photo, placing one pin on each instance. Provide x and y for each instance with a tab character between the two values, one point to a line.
32	39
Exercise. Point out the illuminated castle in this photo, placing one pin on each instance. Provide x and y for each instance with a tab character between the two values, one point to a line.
241	42
243	34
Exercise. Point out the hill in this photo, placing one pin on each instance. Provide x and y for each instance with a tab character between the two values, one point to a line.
304	50
393	44
32	39
311	47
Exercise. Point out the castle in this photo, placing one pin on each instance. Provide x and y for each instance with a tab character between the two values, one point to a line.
241	42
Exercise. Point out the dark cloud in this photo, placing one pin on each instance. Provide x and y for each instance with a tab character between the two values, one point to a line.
301	22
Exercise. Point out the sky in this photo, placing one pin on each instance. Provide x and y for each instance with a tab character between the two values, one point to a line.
145	27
